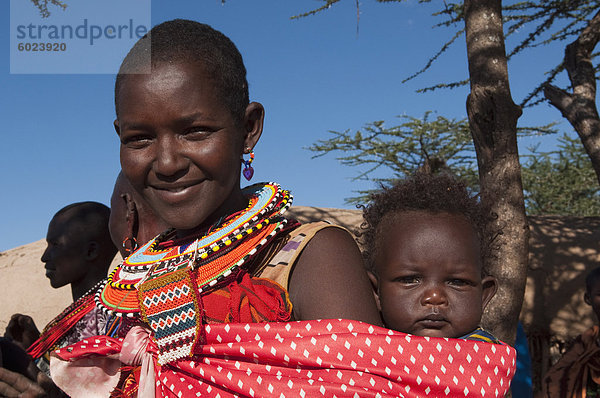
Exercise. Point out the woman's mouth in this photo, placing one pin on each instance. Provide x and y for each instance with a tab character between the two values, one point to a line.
174	192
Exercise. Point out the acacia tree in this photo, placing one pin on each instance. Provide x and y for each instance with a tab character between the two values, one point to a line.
561	181
42	5
493	121
579	106
393	152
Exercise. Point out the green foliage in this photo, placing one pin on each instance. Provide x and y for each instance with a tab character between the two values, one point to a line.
42	5
435	145
561	182
556	182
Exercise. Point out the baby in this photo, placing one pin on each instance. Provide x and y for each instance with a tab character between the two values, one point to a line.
425	252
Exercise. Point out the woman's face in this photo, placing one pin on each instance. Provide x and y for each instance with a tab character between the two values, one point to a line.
181	146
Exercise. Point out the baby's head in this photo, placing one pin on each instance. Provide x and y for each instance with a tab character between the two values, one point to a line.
592	291
425	250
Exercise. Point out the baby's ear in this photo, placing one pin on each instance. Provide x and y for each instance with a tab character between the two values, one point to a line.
374	285
489	286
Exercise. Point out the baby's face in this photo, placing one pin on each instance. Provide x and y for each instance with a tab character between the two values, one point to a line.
429	274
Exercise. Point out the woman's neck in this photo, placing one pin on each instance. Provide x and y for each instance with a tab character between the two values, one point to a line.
234	204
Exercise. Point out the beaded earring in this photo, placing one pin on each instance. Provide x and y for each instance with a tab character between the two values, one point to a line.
248	171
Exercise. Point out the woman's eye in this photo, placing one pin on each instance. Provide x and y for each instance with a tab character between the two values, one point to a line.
199	132
136	141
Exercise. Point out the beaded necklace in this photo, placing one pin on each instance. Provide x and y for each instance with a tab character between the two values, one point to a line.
56	329
163	285
215	256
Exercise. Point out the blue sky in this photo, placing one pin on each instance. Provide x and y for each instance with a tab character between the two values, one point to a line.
312	75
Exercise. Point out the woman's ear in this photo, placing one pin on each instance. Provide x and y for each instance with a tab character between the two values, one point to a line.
253	124
374	284
489	286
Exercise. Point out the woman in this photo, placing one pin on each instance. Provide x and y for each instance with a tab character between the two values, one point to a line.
189	307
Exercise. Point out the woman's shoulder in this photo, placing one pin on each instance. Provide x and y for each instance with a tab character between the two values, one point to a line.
279	267
321	266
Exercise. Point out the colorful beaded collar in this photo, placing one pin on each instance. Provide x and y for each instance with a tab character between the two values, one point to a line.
232	243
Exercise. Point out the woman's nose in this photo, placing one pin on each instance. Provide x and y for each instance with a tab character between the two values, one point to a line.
169	160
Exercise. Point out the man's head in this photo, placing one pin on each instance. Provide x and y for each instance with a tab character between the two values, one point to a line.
592	291
79	245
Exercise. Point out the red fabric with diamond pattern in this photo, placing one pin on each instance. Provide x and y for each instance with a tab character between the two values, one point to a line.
328	358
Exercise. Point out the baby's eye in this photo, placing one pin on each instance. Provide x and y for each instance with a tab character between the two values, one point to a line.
458	282
409	279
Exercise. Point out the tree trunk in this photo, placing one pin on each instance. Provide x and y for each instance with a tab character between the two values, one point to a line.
579	108
493	121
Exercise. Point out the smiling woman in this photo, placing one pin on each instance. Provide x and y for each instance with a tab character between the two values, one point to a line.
180	142
183	130
232	273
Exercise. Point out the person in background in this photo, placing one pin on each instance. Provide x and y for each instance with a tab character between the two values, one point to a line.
577	372
131	218
521	385
79	253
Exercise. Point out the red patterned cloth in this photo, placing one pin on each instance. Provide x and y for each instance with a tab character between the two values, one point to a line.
327	358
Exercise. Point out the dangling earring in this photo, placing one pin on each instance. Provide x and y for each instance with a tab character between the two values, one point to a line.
248	171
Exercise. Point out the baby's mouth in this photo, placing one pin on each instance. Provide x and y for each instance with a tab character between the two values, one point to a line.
434	320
